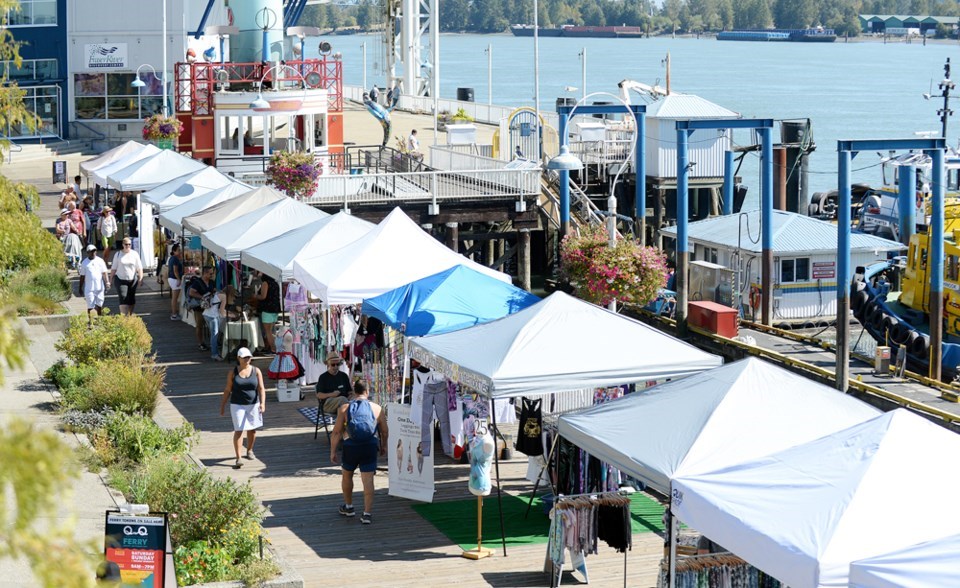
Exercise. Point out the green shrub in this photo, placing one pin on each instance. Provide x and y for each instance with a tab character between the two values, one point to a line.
201	508
200	562
126	385
65	376
134	438
111	337
17	196
37	291
24	243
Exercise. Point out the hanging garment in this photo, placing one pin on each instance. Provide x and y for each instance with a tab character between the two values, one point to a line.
613	526
285	366
435	401
506	413
531	425
418	379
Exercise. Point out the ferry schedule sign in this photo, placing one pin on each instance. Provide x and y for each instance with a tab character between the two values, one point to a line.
137	545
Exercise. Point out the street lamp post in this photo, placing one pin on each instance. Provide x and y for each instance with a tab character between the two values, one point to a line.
583	72
536	79
489	52
138	83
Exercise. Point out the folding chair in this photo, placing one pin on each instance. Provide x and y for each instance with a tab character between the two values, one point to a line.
322	415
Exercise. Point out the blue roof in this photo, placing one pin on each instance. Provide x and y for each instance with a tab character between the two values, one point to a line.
792	233
450	300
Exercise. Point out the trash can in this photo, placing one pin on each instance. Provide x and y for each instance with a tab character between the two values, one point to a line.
881	365
465	94
59	172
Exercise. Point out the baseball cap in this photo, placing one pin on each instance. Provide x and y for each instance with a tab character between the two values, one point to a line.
91	247
244	352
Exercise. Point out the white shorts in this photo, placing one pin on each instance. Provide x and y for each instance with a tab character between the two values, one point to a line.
174	283
246	417
94	299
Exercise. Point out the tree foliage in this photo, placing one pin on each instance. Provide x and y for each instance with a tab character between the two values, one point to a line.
657	17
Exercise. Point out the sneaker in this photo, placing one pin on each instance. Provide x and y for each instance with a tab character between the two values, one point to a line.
250	455
238	465
174	317
366	518
204	347
347	510
216	358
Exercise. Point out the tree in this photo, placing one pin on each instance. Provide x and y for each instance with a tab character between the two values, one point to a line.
455	15
794	14
367	16
13	112
334	18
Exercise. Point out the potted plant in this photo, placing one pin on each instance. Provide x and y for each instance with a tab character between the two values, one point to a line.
461	116
163	130
627	272
293	173
443	118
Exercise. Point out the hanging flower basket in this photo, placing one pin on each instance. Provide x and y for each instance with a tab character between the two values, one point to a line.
294	174
163	130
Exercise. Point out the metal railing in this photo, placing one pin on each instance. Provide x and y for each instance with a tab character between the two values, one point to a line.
427	186
481	113
466	157
97	135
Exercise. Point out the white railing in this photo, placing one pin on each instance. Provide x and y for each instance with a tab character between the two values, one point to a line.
432	186
464	157
481	113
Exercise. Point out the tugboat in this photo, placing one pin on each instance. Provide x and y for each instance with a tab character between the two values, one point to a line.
891	301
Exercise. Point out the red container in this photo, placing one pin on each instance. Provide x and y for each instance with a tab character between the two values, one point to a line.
711	316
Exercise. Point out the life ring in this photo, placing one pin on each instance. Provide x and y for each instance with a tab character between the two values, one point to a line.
920	346
755	297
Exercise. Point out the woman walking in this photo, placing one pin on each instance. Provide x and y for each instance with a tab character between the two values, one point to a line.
126	272
248	400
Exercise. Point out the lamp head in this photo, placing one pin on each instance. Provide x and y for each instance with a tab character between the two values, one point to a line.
137	83
565	161
259	103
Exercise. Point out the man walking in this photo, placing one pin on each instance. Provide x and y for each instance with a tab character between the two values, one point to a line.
362	421
94	281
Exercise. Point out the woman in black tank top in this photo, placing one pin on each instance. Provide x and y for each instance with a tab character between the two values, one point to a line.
247	397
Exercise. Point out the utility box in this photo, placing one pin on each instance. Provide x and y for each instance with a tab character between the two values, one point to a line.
461	134
881	365
715	318
591	132
711	281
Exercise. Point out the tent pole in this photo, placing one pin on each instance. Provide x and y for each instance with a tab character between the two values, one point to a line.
536	485
496	463
672	553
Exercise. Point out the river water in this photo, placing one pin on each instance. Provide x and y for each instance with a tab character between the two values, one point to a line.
856	90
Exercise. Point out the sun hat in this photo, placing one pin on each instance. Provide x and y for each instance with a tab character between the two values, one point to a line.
334	356
244	352
107	207
64	211
91	247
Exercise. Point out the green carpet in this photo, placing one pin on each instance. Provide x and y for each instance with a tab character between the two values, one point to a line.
458	519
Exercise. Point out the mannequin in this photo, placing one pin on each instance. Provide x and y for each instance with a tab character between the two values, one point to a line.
481	456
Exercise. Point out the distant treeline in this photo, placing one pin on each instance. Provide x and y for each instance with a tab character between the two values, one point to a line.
680	16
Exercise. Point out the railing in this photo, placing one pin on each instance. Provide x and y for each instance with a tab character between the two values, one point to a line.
96	134
612	150
11	148
428	186
482	113
469	157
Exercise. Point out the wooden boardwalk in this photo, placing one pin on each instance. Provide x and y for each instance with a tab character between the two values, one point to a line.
300	488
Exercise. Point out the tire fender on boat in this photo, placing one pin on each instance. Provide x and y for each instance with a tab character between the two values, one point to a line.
920	346
868	309
889	324
871	315
859	300
876	321
900	332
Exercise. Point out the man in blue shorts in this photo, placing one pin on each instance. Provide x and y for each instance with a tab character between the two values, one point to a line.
361	422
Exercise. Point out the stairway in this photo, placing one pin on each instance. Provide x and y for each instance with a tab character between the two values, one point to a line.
47	150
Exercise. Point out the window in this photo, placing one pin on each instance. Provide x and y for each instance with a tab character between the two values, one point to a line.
110	96
30	70
34	12
794	270
44	102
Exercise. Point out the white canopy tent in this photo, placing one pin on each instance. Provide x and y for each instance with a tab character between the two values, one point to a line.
225	212
101	173
172	218
534	351
107	157
734	413
275	257
187	187
391	255
803	515
153	171
229	240
933	564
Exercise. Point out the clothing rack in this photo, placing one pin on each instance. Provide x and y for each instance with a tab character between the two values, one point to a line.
594	496
746	574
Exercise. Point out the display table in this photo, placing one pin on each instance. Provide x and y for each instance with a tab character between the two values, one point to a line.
239	330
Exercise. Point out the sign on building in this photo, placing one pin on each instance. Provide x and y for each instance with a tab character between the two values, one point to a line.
106	56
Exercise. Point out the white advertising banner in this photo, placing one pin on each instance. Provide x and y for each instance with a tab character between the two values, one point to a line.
411	472
104	56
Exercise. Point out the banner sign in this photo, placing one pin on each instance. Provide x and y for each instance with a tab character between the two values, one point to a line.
411	472
106	55
137	545
824	270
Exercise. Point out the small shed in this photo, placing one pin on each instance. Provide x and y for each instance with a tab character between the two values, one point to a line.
706	147
805	259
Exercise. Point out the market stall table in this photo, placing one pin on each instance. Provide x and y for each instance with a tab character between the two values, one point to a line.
236	331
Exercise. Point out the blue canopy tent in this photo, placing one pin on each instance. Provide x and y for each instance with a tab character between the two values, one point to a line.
453	299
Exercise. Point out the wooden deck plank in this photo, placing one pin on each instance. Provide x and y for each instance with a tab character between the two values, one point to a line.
300	488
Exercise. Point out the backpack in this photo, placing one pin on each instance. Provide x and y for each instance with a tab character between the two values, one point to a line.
360	422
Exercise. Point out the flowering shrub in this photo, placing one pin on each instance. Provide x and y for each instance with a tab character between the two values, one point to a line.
629	272
161	127
294	174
